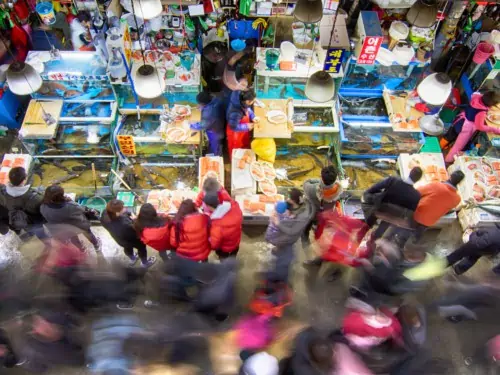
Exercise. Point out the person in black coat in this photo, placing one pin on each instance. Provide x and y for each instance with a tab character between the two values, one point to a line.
394	191
119	224
482	242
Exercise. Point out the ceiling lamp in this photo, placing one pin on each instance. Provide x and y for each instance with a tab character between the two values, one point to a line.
23	79
309	11
435	89
320	87
431	125
147	9
423	13
148	82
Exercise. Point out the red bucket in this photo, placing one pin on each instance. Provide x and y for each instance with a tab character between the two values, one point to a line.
483	52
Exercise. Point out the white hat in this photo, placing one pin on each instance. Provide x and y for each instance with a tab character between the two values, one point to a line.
261	364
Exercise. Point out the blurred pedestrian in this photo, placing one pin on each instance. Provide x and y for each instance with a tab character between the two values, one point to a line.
59	209
154	230
8	358
321	193
213	121
20	206
211	185
226	220
189	233
118	222
482	242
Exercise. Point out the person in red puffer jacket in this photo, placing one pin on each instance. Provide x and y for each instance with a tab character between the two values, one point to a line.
211	185
154	230
189	232
225	228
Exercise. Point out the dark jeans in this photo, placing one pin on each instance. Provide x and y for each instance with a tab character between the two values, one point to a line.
215	142
163	255
284	258
468	254
141	250
224	255
305	238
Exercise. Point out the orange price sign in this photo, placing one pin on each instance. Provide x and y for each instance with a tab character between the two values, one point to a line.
126	144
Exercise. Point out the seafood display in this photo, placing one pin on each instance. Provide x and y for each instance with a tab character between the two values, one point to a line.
168	201
377	140
242	180
432	165
257	172
268	188
258	204
12	161
364	173
211	166
482	178
293	172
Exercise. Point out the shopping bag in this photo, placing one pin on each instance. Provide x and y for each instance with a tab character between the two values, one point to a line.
265	149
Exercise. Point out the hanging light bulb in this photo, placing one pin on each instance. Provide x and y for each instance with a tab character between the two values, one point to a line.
147	9
423	13
308	11
148	82
320	87
23	79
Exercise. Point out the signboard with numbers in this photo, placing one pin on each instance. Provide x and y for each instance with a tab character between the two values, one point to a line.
369	51
126	144
333	61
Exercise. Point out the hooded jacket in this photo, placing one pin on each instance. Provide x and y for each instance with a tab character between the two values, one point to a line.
190	237
301	361
290	229
311	189
213	116
225	228
157	237
121	229
66	213
23	197
222	194
235	113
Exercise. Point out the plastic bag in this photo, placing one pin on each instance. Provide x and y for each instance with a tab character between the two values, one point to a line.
265	149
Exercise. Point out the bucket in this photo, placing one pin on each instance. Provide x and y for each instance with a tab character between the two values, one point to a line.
483	52
45	10
272	58
187	59
288	51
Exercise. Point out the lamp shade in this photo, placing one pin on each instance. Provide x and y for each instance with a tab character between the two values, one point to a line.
23	79
320	87
148	82
308	11
435	89
423	13
147	9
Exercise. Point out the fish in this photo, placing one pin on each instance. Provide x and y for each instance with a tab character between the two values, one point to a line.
354	164
283	92
299	91
65	178
106	137
294	175
317	160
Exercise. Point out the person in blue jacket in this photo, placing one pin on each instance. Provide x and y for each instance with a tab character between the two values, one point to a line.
240	120
213	120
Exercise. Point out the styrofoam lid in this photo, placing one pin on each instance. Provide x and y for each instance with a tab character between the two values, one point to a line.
385	57
403	54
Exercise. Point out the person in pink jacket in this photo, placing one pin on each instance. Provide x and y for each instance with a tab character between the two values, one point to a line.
469	121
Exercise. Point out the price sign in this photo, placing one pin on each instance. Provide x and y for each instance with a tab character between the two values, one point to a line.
369	51
126	144
333	61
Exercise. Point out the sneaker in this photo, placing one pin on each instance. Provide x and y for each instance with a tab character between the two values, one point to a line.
150	262
150	304
133	260
21	362
124	306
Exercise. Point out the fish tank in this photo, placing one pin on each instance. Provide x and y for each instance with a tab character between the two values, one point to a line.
148	139
371	79
361	140
74	139
74	175
88	111
359	108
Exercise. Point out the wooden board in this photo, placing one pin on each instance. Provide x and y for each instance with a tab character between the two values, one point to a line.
33	125
397	105
265	129
195	136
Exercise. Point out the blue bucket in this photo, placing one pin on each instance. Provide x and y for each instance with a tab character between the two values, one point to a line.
46	12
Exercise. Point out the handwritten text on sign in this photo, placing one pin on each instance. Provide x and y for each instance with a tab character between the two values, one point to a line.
126	145
369	51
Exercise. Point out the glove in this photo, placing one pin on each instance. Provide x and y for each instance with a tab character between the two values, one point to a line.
196	126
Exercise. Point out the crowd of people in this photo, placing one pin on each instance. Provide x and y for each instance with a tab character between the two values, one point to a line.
380	332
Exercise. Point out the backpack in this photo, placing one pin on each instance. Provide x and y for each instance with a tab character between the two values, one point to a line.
18	218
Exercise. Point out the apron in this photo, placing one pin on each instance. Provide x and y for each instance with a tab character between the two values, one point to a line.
238	139
465	135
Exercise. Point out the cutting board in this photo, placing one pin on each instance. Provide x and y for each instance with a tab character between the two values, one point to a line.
266	129
397	104
33	125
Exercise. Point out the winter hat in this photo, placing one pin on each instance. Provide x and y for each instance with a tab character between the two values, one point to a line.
211	199
261	364
238	45
281	207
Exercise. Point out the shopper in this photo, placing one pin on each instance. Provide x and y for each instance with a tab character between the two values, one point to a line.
154	230
482	242
59	209
240	120
470	121
213	121
21	205
189	233
321	193
211	185
285	228
118	222
226	220
80	31
437	199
